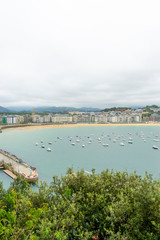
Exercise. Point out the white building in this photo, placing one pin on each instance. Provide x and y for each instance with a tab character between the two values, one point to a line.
75	118
15	119
114	119
40	119
47	118
12	119
9	120
59	118
128	119
101	118
121	118
137	118
34	118
20	119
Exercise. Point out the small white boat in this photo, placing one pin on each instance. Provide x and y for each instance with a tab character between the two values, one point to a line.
121	144
89	142
77	140
105	145
36	143
73	144
50	143
83	145
130	142
155	147
42	146
156	140
49	150
130	138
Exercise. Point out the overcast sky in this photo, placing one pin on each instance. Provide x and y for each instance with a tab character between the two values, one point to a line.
95	53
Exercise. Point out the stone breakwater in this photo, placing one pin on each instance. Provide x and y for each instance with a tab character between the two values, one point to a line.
18	167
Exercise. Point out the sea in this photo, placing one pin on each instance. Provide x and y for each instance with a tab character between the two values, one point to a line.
85	148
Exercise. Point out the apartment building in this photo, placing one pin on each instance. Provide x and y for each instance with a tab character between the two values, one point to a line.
61	118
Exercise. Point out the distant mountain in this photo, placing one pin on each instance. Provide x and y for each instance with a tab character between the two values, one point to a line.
2	109
54	109
89	109
20	109
65	109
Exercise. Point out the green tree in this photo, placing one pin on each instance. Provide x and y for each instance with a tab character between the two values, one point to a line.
110	205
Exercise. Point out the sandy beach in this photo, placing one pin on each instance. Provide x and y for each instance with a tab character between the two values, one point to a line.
32	127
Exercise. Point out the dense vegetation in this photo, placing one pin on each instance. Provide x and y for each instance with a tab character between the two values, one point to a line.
149	110
120	109
152	106
105	206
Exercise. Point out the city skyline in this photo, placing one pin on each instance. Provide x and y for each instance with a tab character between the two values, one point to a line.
79	53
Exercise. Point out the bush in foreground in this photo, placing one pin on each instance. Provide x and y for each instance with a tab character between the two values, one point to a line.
105	206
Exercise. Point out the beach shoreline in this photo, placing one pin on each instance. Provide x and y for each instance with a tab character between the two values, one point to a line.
45	126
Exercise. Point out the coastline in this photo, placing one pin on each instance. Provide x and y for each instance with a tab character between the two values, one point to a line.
44	126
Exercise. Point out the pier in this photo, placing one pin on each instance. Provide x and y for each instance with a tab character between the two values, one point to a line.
15	166
9	173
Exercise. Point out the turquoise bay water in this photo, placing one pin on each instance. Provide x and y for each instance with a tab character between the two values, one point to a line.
138	156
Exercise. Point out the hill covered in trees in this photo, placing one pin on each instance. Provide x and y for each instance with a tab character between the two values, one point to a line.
78	206
121	109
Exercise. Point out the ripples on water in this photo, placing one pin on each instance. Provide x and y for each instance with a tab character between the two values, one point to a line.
85	147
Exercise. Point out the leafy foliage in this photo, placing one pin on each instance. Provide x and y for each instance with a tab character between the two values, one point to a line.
105	206
120	109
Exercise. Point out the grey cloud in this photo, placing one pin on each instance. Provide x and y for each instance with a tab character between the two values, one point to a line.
79	53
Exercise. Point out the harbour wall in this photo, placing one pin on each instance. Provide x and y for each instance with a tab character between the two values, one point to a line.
17	167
